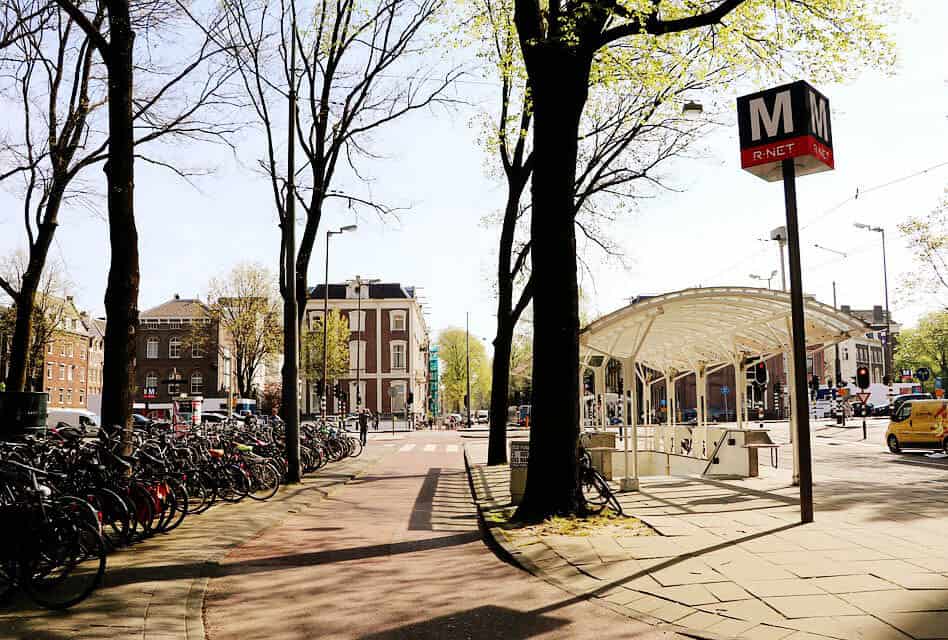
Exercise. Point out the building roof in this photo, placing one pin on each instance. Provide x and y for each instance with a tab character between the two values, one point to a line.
379	291
685	329
96	327
178	307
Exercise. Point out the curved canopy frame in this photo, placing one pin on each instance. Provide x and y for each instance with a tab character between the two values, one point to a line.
700	327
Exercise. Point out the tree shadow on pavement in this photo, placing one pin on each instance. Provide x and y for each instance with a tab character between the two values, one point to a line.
488	621
127	575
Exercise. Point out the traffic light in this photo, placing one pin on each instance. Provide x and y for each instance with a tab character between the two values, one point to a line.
777	389
760	373
862	377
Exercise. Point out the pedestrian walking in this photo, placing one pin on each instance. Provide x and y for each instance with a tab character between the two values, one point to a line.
363	425
375	422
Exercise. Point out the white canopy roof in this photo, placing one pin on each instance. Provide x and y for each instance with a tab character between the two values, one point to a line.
706	326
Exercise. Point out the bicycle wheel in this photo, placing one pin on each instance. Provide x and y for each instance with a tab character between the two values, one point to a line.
356	449
179	506
68	565
264	481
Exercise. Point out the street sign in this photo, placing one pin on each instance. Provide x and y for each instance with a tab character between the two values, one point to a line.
150	393
923	374
863	396
907	375
725	390
791	121
519	453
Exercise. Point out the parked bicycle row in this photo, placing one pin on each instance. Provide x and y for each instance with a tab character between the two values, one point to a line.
66	500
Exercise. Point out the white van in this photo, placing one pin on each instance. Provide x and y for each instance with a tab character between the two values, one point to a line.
82	419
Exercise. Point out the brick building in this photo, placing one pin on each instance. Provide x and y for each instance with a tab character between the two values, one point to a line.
96	359
65	359
388	348
178	339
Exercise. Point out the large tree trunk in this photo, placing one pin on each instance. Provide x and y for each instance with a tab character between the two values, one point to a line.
559	81
121	295
21	348
500	383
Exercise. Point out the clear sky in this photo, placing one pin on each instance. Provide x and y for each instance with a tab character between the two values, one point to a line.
884	128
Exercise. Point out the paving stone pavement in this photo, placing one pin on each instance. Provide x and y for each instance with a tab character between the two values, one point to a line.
733	562
155	589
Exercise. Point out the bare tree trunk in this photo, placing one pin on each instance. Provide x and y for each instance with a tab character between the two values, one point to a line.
559	78
121	296
500	384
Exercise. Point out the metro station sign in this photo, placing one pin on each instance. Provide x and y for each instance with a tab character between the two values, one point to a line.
789	121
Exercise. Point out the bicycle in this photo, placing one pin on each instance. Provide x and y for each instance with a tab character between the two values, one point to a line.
596	493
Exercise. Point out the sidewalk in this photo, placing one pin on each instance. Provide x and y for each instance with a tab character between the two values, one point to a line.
396	554
155	589
733	562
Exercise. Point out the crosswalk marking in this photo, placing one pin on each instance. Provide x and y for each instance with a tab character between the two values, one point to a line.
452	448
406	448
430	447
427	447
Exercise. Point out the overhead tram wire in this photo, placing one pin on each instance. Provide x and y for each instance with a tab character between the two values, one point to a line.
828	212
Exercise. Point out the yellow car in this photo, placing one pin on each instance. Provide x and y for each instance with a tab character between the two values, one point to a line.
919	424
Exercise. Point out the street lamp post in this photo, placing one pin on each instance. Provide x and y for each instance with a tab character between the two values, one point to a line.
359	283
467	357
887	351
772	275
329	233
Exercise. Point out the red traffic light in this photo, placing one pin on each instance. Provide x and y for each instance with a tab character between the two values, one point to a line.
862	377
760	373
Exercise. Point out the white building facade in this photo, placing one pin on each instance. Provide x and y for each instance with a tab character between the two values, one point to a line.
388	349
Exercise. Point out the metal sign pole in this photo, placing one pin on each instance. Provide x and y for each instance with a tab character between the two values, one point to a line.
801	398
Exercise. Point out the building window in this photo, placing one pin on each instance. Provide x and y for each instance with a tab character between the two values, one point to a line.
173	387
398	355
49	348
197	350
62	396
357	354
357	321
398	320
399	397
49	371
197	383
62	348
69	374
69	396
151	348
81	397
174	347
62	372
69	351
82	374
314	317
82	352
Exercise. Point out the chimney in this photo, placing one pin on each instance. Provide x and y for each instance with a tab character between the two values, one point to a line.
845	308
69	299
877	314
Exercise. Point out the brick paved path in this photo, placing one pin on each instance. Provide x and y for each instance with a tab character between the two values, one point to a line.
154	590
395	554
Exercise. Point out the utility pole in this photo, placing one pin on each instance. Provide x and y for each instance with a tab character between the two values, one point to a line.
467	357
839	376
291	343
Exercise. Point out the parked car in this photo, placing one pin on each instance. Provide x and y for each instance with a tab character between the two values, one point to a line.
211	417
918	424
482	416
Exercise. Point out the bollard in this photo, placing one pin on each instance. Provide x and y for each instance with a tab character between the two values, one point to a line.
864	428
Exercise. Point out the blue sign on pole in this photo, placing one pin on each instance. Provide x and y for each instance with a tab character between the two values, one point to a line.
938	384
923	374
725	390
661	402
